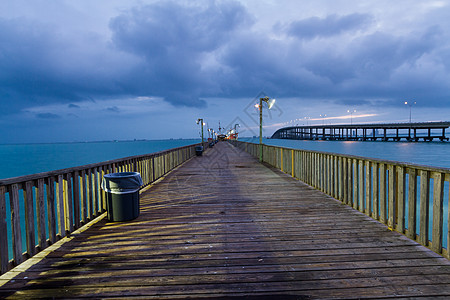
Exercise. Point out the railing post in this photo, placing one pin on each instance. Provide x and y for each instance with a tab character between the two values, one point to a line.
382	186
15	223
29	218
424	207
401	183
412	206
361	185
3	229
438	205
368	182
40	214
375	187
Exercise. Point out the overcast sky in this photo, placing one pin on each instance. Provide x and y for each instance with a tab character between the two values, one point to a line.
105	69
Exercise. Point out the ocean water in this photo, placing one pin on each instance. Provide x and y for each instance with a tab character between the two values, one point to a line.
25	159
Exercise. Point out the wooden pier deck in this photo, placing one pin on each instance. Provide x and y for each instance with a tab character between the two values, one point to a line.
222	226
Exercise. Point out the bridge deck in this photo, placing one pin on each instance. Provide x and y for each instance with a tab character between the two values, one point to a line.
225	225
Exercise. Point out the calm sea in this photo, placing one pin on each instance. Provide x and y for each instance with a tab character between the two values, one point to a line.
25	159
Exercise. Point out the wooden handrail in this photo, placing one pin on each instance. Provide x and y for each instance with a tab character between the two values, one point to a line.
407	197
53	204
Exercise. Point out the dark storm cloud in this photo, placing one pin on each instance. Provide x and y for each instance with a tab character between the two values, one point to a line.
331	25
47	116
186	53
39	65
113	109
176	41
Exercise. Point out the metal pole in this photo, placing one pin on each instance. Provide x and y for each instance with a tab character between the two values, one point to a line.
260	131
410	107
202	130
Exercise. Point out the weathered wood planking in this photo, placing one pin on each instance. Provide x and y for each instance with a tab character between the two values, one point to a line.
224	225
58	202
385	197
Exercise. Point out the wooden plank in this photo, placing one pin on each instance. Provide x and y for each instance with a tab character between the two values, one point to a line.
400	208
281	165
345	181
447	178
96	192
382	188
392	193
412	206
355	176
15	223
60	207
29	218
3	237
336	176
292	163
341	179
103	193
361	186
368	183
76	199
424	206
40	214
438	211
51	218
90	194
376	194
68	203
84	195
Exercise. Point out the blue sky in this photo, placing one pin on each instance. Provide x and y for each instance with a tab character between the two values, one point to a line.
107	69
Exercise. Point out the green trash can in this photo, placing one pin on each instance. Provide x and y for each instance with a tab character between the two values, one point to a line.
122	195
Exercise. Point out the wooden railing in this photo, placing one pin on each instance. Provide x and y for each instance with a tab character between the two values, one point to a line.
407	198
46	207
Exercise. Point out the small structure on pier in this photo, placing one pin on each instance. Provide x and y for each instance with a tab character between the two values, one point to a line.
412	132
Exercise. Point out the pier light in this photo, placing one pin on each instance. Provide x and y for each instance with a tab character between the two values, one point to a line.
323	119
410	104
351	111
200	121
235	130
270	103
307	120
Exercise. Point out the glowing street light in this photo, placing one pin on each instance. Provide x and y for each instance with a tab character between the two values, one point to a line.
351	115
307	120
270	103
323	119
410	104
200	121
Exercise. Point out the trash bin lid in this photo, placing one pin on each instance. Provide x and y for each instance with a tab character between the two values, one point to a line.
121	183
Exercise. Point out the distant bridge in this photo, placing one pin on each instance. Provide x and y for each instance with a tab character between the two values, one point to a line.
412	132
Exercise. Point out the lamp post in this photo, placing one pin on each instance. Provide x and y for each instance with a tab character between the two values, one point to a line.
307	120
270	103
235	131
323	119
200	121
410	104
351	115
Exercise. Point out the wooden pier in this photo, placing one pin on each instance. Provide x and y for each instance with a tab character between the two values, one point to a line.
223	225
410	132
